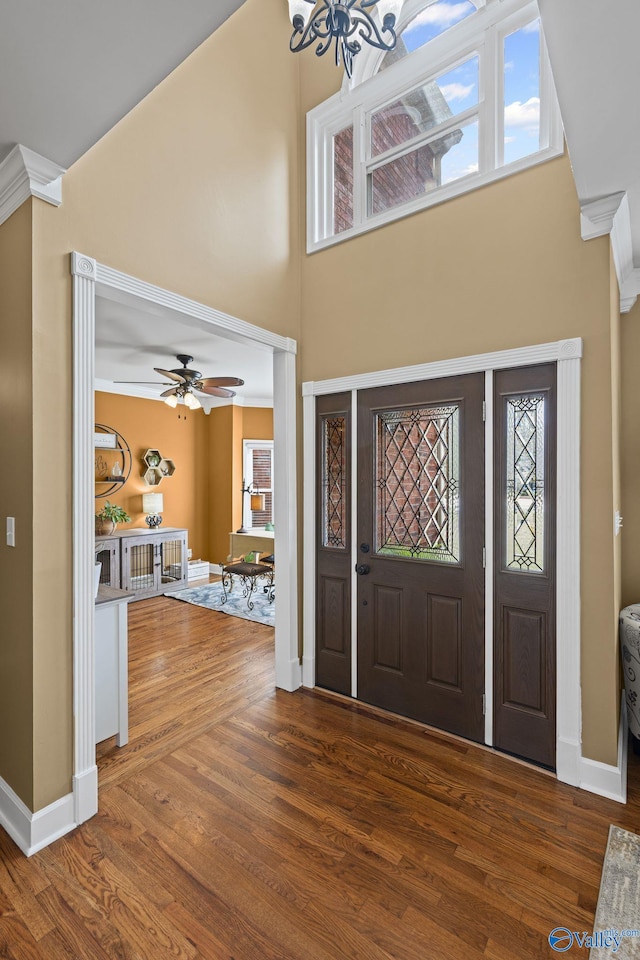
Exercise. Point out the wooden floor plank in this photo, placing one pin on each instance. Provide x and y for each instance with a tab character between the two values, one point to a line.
244	823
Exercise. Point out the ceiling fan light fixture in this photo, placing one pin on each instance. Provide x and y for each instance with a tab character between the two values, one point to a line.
191	401
185	381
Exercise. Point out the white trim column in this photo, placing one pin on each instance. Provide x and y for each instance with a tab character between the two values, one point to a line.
288	667
85	771
309	535
488	558
569	696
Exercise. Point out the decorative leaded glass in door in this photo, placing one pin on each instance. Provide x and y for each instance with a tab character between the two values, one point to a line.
333	543
334	480
525	457
418	483
420	497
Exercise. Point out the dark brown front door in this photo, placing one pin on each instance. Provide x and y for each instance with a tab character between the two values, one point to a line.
524	551
420	542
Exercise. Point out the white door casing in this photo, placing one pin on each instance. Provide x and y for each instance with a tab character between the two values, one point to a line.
92	279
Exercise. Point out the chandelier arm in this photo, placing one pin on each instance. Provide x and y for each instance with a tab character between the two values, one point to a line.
371	33
347	23
308	34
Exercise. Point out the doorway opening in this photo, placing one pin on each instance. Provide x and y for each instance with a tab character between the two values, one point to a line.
91	280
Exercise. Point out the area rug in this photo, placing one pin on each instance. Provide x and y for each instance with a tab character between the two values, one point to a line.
616	928
210	595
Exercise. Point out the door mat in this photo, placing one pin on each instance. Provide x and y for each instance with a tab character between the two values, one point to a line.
616	928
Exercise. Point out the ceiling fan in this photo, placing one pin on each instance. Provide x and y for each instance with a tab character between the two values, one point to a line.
183	381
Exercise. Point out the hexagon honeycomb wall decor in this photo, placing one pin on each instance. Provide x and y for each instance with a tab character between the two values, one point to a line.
157	467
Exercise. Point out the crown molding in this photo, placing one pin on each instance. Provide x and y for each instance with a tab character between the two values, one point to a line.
597	216
622	249
611	215
25	174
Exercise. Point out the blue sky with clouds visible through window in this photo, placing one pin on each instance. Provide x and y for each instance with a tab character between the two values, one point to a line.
460	86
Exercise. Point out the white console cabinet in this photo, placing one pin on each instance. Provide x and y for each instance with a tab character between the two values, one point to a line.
150	562
111	679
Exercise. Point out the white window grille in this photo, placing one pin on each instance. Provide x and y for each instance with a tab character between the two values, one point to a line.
414	127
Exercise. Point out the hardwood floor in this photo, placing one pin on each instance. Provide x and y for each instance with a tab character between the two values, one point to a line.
246	823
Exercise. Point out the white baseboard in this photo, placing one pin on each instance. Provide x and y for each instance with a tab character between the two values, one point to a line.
603	778
215	568
85	792
309	672
33	831
568	761
292	678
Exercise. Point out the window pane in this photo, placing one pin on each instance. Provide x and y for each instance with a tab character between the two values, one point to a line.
522	92
262	468
334	482
525	484
451	156
426	107
261	473
417	484
429	23
343	180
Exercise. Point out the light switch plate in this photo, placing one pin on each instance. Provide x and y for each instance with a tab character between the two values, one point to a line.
11	531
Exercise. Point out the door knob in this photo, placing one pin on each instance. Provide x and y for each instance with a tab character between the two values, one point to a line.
362	569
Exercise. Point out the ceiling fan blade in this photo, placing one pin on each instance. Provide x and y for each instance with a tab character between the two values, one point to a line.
154	383
216	391
170	393
170	375
221	382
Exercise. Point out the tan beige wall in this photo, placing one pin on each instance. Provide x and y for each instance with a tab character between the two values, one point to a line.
199	190
16	585
616	453
630	455
196	190
147	424
501	267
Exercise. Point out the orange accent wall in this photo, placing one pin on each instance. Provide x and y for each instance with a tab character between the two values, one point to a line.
149	424
228	427
203	494
257	423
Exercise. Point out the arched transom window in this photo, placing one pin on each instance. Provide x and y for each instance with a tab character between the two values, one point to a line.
466	97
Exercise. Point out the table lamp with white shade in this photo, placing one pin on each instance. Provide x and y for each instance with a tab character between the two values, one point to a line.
152	504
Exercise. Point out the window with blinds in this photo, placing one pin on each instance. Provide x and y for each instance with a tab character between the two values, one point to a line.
258	475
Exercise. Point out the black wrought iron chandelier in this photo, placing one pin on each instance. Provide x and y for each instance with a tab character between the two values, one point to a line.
348	23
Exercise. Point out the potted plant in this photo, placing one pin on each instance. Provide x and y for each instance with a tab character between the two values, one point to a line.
109	517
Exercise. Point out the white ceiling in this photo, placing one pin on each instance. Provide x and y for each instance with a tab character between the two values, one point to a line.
593	47
71	69
131	341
